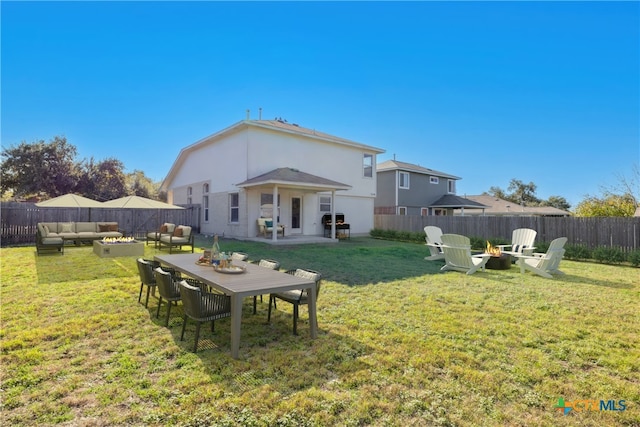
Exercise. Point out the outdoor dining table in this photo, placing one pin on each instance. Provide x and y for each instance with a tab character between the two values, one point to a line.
255	280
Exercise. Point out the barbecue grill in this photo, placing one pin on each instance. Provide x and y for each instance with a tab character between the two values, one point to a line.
342	229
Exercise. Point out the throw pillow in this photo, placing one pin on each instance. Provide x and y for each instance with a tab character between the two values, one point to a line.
164	229
177	232
103	228
66	227
268	223
46	229
113	227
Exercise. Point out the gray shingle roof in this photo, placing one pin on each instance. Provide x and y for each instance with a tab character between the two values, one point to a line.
410	167
293	177
453	201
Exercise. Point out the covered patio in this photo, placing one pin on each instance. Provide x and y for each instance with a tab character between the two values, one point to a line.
292	181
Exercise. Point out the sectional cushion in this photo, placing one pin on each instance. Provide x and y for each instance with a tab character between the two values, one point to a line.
177	232
85	227
66	227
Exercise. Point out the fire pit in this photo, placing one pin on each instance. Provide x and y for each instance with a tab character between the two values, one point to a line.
498	260
116	247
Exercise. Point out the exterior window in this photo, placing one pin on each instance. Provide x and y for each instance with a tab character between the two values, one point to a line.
205	188
404	180
234	207
325	203
434	180
189	193
402	210
367	166
440	212
424	211
452	186
205	207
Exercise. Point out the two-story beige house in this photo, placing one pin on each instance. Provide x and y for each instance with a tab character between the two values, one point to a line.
260	168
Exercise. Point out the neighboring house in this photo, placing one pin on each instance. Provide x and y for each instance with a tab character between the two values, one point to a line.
497	206
238	172
408	189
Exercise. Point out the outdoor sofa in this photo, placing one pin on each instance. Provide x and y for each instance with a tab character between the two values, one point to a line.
50	234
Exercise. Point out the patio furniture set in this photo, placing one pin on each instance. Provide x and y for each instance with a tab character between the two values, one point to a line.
209	294
455	250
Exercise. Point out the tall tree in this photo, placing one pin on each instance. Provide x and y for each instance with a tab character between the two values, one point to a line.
141	185
557	202
39	168
523	194
103	180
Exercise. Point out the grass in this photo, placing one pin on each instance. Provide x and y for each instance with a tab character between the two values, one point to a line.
399	344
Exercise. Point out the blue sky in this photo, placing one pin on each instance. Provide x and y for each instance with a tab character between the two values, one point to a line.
547	92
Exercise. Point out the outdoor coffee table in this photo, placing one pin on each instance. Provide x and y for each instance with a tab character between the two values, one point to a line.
112	250
255	281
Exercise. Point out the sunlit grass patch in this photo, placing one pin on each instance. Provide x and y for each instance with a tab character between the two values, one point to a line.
399	344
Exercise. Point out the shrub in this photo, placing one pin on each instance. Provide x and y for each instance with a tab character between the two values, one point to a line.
607	255
634	258
577	252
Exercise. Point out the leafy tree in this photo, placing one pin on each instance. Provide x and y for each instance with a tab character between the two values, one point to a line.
558	202
39	168
104	180
141	185
609	205
522	193
497	192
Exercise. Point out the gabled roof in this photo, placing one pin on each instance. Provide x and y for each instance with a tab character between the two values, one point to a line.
497	206
273	125
289	177
410	167
455	202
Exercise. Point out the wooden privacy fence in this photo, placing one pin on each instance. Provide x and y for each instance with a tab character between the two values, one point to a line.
623	233
19	219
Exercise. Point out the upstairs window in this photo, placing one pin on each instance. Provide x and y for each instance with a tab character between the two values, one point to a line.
403	180
189	193
367	165
452	186
434	180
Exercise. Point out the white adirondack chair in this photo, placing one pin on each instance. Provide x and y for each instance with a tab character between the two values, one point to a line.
522	240
433	237
457	255
544	264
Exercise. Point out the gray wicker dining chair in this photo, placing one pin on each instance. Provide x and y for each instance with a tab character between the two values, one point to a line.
266	263
167	282
201	305
145	269
296	297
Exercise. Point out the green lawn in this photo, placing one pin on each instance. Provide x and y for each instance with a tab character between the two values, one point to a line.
399	344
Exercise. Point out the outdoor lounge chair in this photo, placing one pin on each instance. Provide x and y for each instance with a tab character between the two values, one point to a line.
433	237
201	305
145	269
544	264
457	255
182	236
168	288
296	297
522	240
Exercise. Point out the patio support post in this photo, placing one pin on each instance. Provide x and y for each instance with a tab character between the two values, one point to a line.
274	214
333	214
